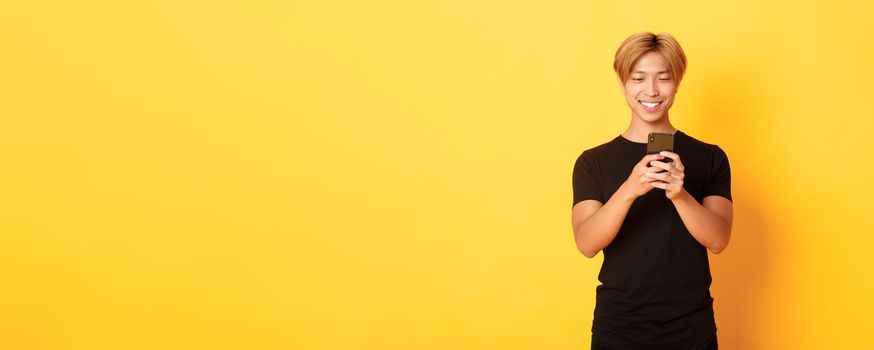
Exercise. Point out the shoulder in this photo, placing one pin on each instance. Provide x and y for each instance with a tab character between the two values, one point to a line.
701	147
596	152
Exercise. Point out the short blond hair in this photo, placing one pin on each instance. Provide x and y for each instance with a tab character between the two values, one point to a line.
641	43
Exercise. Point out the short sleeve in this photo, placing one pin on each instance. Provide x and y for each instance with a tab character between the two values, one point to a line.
719	183
586	184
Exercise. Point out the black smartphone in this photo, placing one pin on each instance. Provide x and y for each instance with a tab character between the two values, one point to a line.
657	142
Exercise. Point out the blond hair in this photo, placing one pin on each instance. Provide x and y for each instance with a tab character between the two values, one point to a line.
641	43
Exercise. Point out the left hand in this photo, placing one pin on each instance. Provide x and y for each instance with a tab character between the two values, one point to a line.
671	180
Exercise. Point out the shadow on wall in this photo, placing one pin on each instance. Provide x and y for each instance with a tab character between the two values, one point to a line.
742	273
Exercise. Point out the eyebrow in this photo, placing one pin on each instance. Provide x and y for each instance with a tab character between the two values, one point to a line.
660	72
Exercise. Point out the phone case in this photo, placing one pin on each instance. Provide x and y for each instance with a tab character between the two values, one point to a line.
657	142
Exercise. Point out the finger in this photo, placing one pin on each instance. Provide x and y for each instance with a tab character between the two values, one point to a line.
670	179
662	177
665	186
661	185
660	165
660	174
670	167
643	171
652	169
675	157
650	157
644	178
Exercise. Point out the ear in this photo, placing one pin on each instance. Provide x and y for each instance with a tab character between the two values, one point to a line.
621	84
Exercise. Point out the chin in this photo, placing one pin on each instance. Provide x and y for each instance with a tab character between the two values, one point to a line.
650	117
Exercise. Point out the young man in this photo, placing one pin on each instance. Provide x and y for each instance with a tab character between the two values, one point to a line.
654	220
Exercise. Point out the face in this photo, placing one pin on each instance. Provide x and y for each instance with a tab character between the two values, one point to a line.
650	88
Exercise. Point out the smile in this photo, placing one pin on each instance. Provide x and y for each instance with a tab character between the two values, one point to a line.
650	106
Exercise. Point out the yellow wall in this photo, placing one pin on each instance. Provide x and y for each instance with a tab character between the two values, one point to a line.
396	174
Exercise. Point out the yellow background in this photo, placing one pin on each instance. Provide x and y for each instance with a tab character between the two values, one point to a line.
396	174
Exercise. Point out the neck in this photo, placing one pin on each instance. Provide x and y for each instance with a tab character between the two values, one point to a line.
639	129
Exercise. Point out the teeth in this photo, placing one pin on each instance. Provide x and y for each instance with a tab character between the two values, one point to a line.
650	104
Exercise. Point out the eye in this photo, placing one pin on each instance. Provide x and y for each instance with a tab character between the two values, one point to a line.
637	79
664	79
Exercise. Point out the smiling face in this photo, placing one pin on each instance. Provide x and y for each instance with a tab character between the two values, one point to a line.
650	88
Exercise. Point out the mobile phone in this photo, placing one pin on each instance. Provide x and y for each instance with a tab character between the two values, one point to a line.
657	142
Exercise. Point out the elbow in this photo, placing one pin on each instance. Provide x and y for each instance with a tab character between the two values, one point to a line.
717	250
720	246
587	252
725	236
588	249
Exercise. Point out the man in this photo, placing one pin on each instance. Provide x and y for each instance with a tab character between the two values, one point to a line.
654	220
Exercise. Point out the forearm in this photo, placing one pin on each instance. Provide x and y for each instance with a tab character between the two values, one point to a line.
596	232
705	226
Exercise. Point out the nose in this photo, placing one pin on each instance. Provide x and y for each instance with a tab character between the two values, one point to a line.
650	89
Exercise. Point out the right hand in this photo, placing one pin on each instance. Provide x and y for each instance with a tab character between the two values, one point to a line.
638	183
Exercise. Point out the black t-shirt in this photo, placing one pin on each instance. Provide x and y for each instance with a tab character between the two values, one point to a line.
655	279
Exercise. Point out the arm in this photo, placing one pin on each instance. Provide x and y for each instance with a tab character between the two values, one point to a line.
710	223
595	225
